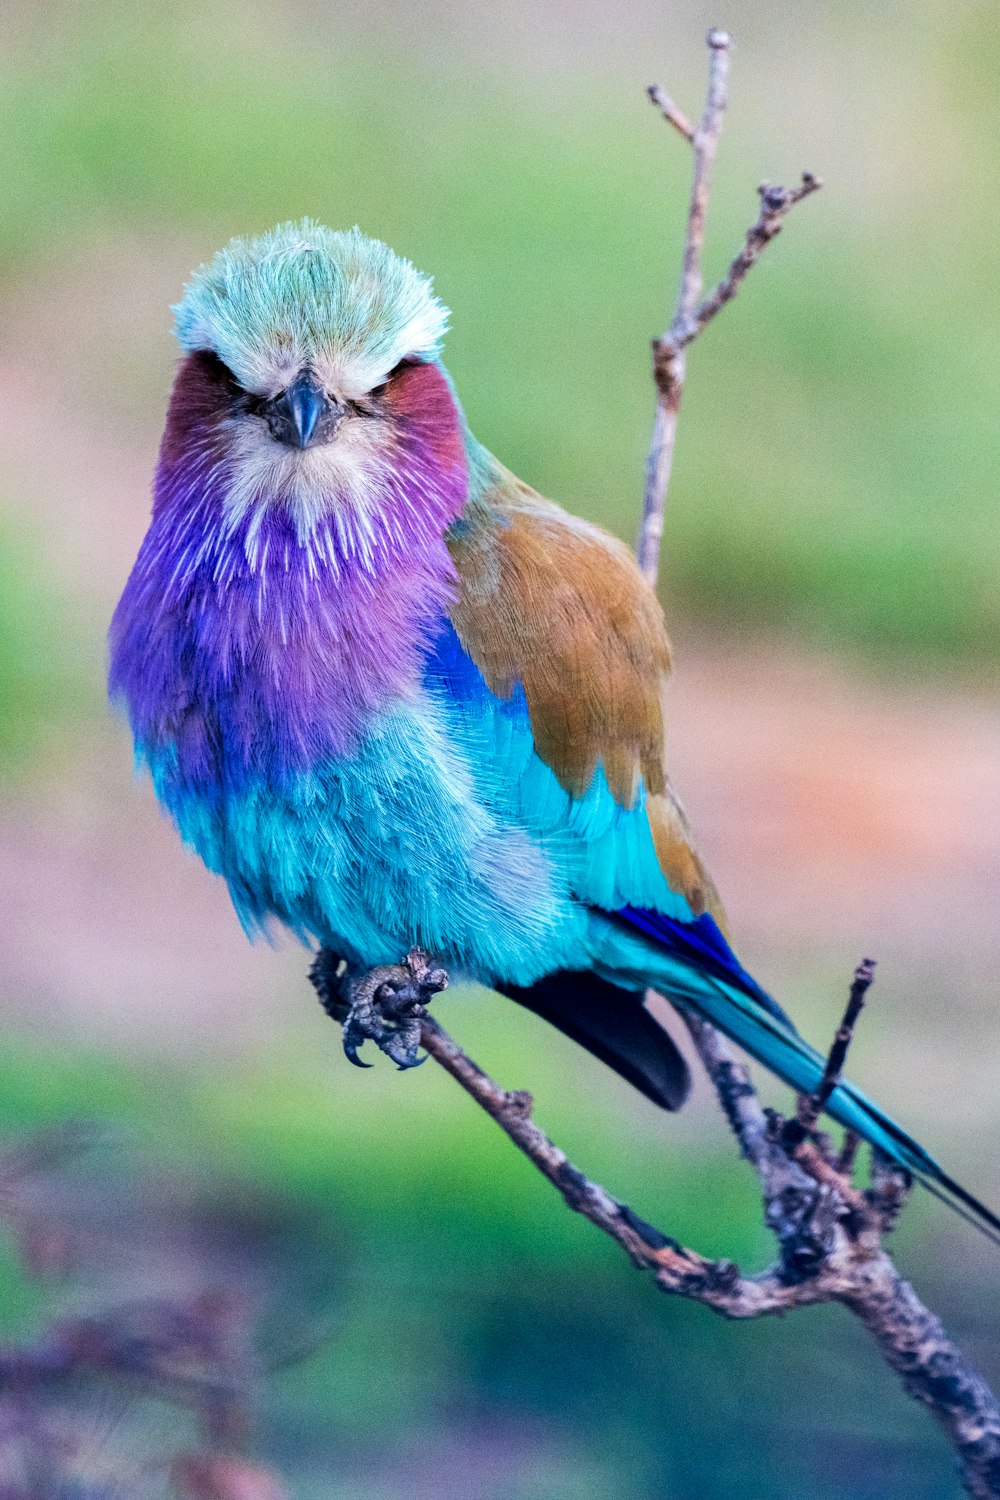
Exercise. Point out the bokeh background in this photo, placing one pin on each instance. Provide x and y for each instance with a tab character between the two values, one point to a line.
831	576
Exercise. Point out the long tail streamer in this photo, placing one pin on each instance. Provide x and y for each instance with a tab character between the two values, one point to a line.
697	967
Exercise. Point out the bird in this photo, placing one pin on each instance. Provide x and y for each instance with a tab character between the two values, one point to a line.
395	697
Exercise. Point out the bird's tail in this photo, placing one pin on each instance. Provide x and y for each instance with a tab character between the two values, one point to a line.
697	967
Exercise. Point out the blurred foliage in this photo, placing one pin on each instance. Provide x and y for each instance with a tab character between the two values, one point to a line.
161	1302
480	1341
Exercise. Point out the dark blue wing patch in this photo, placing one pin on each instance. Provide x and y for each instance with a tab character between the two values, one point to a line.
702	943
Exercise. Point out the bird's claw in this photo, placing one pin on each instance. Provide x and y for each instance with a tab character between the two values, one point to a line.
402	1045
351	1048
385	1006
373	1019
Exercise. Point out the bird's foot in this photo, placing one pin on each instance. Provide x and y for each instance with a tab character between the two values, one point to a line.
385	1005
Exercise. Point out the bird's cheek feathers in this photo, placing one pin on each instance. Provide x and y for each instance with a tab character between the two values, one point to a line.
371	458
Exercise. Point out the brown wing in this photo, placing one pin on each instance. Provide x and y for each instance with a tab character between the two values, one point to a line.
560	606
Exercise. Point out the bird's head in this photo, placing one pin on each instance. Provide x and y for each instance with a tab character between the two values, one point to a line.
310	387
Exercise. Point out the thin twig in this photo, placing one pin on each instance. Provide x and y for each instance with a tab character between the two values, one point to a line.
669	110
848	1152
668	368
811	1106
734	1088
775	204
691	315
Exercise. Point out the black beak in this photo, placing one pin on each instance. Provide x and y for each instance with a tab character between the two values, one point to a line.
304	415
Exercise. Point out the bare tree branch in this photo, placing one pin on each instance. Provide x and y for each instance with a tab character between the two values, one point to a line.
828	1232
736	1093
669	110
668	360
775	203
729	1076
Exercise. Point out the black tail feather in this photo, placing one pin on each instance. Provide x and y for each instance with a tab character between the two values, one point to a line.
900	1147
612	1024
962	1203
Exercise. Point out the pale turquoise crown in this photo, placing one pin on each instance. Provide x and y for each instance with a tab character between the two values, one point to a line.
344	303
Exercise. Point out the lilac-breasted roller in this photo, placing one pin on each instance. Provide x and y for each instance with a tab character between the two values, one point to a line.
394	697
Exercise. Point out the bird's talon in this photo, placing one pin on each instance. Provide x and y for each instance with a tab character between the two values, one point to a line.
412	1062
402	1048
384	1006
351	1053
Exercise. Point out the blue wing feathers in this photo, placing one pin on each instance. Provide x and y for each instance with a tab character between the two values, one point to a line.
703	944
604	852
606	857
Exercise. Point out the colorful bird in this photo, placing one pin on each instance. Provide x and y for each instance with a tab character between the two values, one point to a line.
395	697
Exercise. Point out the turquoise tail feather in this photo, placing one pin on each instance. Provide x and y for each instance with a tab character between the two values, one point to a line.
791	1058
737	1006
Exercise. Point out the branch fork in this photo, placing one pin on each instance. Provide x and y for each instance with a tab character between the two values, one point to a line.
829	1232
692	312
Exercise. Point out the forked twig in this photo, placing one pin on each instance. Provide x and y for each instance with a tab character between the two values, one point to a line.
691	315
829	1234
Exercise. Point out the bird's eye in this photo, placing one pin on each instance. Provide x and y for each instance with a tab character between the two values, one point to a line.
217	372
368	405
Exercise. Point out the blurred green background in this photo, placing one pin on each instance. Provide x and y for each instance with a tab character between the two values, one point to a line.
830	572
